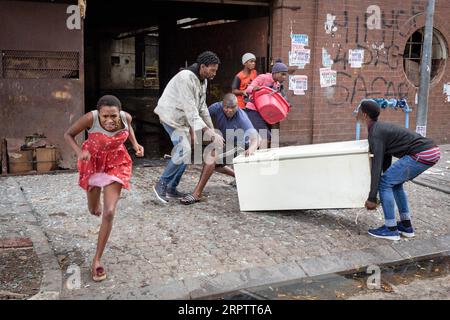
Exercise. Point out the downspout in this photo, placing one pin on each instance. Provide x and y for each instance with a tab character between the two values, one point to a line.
313	91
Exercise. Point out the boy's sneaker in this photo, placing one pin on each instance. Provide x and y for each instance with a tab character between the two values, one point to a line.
160	192
384	233
407	232
175	194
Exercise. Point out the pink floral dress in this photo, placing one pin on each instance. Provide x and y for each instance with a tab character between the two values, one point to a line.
109	161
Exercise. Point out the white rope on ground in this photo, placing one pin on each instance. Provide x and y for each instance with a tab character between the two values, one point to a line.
381	215
348	232
357	215
363	211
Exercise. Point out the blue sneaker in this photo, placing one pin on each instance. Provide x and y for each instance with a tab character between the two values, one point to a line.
384	233
160	192
407	232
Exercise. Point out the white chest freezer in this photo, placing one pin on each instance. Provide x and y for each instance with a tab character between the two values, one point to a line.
317	176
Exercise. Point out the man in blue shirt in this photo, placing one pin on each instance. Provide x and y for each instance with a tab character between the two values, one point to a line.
238	132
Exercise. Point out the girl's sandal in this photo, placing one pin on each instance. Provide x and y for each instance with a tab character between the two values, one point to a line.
189	199
99	274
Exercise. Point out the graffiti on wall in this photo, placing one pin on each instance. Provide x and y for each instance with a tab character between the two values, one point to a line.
360	87
350	36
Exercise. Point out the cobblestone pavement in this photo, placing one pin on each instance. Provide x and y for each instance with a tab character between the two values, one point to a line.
154	244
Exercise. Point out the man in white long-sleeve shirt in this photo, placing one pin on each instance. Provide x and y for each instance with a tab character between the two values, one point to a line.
182	107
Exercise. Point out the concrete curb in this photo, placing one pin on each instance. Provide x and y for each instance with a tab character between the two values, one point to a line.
51	284
203	287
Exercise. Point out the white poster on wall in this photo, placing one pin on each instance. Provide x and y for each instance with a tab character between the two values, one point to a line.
299	58
299	84
327	62
327	77
422	130
447	91
301	39
356	58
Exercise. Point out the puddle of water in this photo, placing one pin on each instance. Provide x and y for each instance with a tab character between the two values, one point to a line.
345	285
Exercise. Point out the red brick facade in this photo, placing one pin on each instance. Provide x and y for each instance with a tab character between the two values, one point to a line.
325	114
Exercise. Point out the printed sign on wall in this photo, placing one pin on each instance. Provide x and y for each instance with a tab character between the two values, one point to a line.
356	58
299	58
447	91
301	39
299	84
327	77
327	62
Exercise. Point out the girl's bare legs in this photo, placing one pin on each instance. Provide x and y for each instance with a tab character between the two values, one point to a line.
93	197
111	195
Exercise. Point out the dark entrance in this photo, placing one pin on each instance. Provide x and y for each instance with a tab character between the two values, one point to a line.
133	48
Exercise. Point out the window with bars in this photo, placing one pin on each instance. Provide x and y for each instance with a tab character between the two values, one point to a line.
413	54
16	64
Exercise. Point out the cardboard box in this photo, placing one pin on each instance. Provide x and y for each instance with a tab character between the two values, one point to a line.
20	161
46	159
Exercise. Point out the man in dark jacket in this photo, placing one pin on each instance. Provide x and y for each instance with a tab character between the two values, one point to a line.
416	154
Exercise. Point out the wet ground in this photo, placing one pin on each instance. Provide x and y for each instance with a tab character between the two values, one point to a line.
361	284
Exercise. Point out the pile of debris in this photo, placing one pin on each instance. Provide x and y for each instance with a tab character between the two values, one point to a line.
34	154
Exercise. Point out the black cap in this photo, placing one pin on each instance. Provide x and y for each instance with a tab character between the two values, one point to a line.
371	108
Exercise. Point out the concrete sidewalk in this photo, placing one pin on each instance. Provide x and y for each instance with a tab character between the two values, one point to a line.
182	252
21	228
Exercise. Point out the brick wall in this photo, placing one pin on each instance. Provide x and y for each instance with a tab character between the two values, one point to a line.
34	104
325	114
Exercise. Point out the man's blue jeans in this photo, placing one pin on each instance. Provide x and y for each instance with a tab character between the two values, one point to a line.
391	188
177	165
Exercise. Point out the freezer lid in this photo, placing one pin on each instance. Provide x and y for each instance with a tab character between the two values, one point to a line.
307	151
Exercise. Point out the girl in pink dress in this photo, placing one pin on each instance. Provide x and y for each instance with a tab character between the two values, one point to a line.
103	162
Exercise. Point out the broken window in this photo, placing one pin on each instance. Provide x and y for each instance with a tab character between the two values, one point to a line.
413	54
39	64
